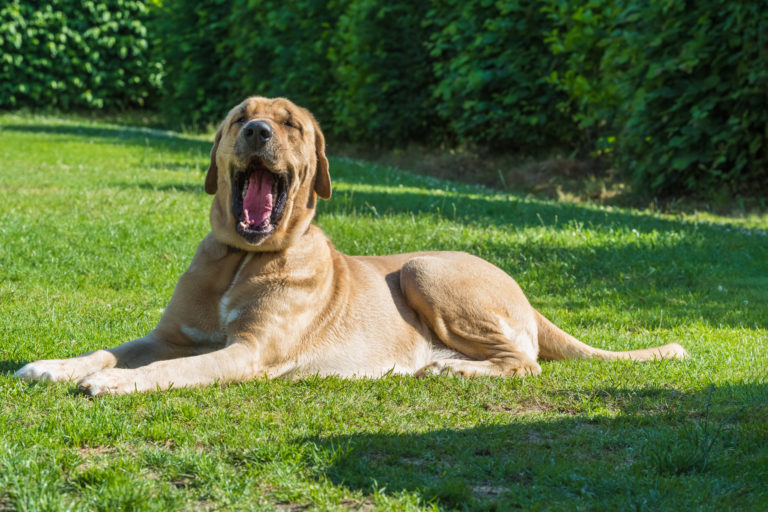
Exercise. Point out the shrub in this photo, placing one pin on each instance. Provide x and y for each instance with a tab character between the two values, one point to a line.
588	39
193	42
72	53
218	52
384	78
492	65
281	49
699	118
677	92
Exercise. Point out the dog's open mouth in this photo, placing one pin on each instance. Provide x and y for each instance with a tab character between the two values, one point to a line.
258	200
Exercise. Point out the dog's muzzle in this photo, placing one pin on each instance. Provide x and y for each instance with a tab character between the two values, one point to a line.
259	196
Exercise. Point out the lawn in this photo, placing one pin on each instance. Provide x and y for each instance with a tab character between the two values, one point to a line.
97	222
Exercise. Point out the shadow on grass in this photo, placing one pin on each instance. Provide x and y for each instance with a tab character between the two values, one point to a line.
502	210
10	366
513	211
191	188
698	273
479	208
120	136
678	445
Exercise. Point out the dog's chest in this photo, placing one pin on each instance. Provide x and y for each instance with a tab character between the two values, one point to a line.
228	309
257	300
227	314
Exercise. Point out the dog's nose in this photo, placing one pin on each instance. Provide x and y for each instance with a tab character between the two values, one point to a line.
257	132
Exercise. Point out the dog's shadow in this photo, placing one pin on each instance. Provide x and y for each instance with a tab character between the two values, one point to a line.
523	463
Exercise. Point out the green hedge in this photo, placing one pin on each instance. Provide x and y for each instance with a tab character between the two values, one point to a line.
346	61
73	53
219	51
673	92
382	67
492	66
699	117
378	72
192	39
676	91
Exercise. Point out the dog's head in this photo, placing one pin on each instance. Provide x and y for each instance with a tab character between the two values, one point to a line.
268	166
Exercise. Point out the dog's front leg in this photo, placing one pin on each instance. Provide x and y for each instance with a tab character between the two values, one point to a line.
236	362
130	354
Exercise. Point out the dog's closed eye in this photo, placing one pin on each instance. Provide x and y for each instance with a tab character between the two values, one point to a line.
291	124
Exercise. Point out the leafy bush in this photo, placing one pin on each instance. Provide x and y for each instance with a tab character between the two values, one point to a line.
72	53
699	117
588	38
382	66
218	52
193	43
280	49
492	67
677	92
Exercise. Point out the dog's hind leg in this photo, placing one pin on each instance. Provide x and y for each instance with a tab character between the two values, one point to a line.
476	309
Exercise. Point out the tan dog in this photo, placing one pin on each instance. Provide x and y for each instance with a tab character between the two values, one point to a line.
266	294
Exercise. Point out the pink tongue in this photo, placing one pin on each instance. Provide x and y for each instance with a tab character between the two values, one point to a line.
257	204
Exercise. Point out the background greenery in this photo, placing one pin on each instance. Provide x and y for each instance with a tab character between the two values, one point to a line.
98	221
73	53
677	90
672	93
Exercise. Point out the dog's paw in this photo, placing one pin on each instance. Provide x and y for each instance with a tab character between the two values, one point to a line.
468	368
114	381
434	368
49	370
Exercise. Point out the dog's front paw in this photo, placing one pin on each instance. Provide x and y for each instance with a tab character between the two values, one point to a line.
49	370
114	381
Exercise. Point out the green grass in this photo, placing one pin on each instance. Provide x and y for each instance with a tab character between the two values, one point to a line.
97	222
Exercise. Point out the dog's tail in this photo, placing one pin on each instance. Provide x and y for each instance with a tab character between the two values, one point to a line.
554	343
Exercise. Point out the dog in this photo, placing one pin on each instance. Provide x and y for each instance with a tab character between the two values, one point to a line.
267	295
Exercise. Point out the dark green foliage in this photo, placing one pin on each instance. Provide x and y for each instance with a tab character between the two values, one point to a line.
678	91
348	62
492	67
588	38
699	114
71	53
382	65
675	94
192	39
218	52
280	49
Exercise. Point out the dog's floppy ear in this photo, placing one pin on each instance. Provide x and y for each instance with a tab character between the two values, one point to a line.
212	177
322	176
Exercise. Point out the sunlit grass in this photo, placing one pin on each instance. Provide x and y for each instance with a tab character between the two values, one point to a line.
97	222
